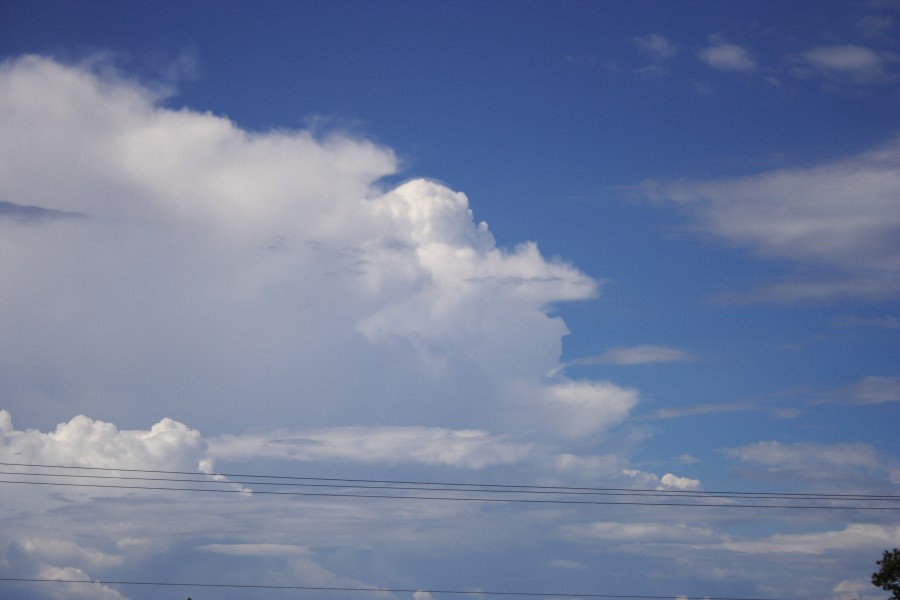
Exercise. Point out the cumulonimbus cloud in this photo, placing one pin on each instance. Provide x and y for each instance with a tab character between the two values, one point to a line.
215	272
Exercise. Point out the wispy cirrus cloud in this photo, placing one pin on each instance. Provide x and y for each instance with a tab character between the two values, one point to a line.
871	390
859	466
643	354
840	220
659	50
884	322
849	64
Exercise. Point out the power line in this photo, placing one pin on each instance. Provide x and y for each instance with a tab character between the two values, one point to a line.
448	498
480	487
372	590
432	488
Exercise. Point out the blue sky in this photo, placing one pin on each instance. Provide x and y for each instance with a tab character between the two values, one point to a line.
647	245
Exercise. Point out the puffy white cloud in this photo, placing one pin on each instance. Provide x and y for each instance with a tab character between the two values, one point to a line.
668	481
167	445
725	56
842	218
673	482
583	408
216	269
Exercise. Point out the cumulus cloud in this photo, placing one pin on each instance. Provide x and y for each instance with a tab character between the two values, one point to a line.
84	442
838	219
668	481
220	276
583	408
725	56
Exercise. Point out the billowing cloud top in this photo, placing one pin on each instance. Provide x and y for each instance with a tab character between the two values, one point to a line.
237	278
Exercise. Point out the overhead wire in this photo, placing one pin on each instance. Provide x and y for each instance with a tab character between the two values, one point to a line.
374	589
401	489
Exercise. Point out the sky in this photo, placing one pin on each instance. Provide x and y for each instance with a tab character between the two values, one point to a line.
646	246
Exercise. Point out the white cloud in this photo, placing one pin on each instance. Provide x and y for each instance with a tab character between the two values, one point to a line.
656	46
644	480
886	322
659	50
810	455
858	466
874	390
853	537
654	533
567	564
851	590
848	64
685	459
841	217
673	482
583	408
167	445
699	409
272	550
55	551
636	355
724	56
468	449
74	590
259	269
